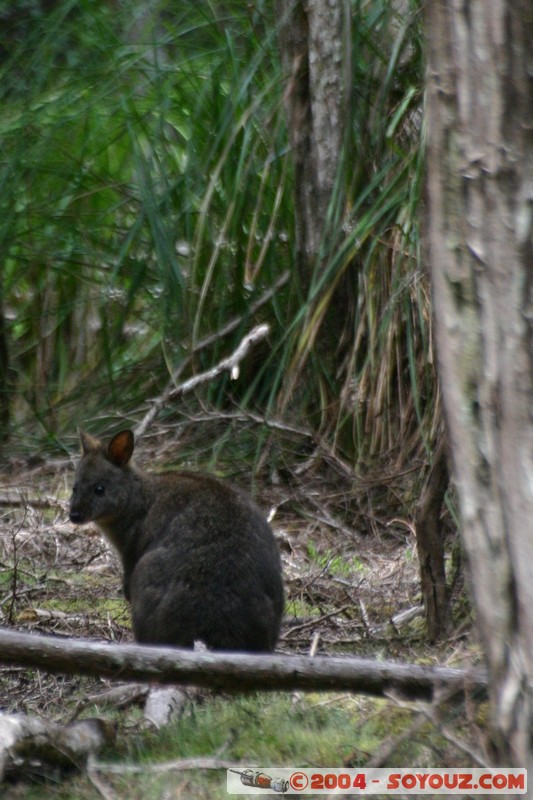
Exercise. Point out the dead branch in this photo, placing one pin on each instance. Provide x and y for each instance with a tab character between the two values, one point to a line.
316	620
25	741
20	499
225	365
177	765
234	671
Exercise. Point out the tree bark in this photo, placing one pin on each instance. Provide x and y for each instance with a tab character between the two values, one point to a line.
313	56
316	54
480	191
430	546
27	743
233	671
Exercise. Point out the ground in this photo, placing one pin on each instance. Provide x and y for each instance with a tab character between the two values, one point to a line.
351	578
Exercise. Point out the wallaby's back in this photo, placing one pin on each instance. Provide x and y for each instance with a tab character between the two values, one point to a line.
200	561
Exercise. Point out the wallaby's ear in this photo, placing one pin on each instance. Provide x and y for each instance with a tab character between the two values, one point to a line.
120	448
88	443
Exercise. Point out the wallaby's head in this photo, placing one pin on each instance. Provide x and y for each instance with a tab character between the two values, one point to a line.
103	485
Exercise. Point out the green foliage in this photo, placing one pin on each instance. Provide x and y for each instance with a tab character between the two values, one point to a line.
146	200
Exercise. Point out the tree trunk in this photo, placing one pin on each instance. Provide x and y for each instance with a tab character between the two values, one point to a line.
313	56
315	52
430	546
480	191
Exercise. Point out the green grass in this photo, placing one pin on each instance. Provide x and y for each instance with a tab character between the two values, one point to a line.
114	607
296	607
255	730
264	730
334	563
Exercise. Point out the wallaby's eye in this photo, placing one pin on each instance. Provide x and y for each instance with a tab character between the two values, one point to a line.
99	489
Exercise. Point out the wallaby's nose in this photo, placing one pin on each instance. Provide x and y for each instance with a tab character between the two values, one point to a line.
76	517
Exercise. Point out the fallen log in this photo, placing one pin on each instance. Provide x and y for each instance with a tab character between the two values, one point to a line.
235	671
28	743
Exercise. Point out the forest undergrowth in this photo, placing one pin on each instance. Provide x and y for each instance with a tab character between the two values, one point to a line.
148	224
352	585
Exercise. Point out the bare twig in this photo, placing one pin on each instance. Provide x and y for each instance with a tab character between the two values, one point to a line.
225	365
177	765
311	623
105	791
381	756
433	713
14	578
322	515
20	499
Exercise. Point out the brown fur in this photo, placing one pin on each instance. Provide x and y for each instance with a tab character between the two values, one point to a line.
200	561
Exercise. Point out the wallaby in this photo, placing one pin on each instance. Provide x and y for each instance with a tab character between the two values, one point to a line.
200	561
